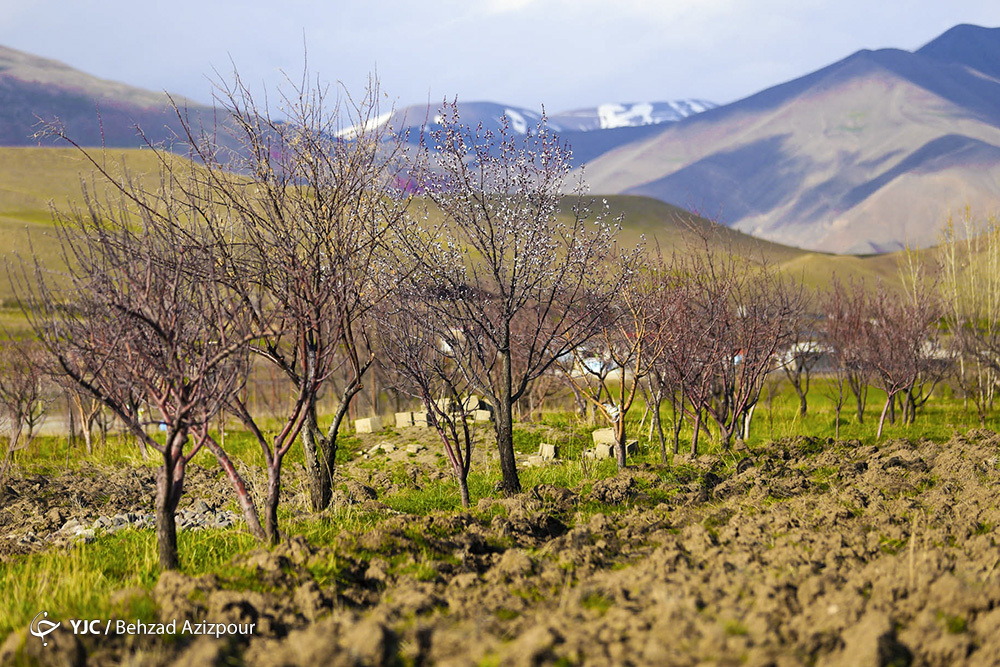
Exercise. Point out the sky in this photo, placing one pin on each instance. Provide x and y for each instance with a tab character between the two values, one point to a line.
563	54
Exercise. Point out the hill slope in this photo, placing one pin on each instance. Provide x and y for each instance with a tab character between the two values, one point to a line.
865	155
33	181
94	111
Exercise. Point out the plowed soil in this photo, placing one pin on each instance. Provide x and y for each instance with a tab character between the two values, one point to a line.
806	552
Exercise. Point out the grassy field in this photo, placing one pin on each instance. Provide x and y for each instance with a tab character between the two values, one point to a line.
410	532
35	181
82	579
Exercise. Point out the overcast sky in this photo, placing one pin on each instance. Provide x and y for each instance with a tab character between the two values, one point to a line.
564	54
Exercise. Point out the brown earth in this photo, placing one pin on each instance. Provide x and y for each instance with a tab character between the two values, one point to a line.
807	552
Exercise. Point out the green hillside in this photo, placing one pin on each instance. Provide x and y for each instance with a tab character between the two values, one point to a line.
34	181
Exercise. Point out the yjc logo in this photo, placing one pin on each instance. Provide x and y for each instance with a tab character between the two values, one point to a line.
40	627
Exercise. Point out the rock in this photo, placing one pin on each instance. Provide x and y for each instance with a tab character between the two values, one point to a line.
201	507
70	526
548	452
368	425
404	419
55	516
604	436
415	448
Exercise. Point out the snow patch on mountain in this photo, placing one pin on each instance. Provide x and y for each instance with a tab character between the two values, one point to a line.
613	114
369	125
620	115
518	123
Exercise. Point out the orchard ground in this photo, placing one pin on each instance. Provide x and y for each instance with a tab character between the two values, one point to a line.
788	549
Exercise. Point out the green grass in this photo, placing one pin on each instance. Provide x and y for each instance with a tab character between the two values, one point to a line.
78	582
34	180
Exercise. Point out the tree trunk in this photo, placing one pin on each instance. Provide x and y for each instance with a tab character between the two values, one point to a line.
747	417
271	532
620	442
88	438
239	487
510	484
463	487
658	423
881	422
504	426
321	450
836	427
803	406
313	446
697	429
678	422
169	486
329	443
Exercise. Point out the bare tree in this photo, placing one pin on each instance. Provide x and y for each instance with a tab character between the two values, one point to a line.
847	314
142	312
22	399
524	275
840	334
802	355
633	333
310	202
423	366
744	314
969	265
898	338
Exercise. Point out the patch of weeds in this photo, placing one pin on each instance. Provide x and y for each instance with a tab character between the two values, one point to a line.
982	528
771	499
822	476
955	625
735	629
526	442
890	545
719	519
330	572
680	474
597	602
853	512
505	614
589	508
419	570
531	594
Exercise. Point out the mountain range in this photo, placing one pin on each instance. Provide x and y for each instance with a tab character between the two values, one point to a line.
866	155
